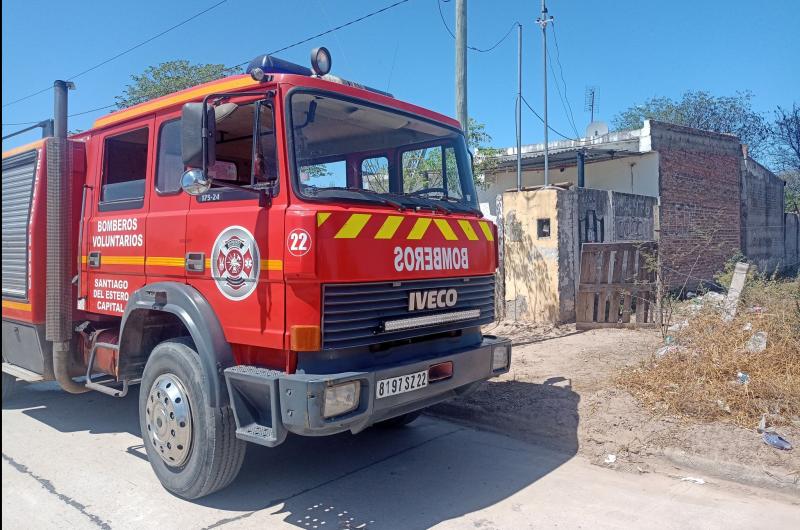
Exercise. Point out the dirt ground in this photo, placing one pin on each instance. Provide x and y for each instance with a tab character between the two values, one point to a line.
560	392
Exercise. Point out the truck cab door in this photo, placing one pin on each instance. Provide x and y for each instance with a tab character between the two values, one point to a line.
115	246
165	242
239	234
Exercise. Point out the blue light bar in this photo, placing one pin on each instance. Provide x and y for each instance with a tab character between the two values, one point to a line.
273	65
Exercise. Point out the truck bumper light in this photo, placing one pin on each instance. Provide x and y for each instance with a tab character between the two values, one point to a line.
340	399
305	338
430	320
440	372
499	358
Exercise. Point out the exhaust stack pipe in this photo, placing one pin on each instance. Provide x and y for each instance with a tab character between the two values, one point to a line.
59	305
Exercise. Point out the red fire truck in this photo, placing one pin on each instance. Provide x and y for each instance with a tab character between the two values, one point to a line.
273	252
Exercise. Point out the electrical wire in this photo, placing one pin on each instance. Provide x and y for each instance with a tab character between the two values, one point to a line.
228	69
561	97
104	107
561	69
548	126
120	54
473	48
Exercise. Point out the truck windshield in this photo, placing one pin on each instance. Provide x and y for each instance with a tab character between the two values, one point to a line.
350	151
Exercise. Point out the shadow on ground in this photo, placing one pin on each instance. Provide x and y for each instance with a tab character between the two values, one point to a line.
412	477
545	414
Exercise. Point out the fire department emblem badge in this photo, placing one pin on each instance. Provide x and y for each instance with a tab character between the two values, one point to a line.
235	263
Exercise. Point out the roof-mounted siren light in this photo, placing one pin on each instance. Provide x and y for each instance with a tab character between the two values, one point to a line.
261	68
321	61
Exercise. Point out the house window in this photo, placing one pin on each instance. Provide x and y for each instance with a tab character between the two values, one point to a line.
542	228
124	171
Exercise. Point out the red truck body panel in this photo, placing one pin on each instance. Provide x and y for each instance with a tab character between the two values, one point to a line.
149	243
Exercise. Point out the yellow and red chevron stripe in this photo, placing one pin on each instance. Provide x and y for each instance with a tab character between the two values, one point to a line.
343	225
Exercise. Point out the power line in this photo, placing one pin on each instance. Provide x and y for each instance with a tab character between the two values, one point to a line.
326	32
473	48
561	97
117	56
542	120
235	66
561	69
359	19
69	116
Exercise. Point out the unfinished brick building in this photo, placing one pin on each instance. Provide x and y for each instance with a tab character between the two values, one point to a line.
711	201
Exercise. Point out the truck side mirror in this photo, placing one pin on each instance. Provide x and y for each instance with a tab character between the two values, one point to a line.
198	135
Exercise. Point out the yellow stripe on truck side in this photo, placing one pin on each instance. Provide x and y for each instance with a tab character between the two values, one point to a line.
420	227
271	264
466	226
486	230
19	306
389	227
446	230
122	260
354	225
157	261
322	217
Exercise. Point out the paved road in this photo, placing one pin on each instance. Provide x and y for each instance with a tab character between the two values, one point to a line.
77	461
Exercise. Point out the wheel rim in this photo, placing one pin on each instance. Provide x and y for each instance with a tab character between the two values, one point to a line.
169	419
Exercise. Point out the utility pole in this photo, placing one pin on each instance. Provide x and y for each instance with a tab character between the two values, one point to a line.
461	64
542	21
519	107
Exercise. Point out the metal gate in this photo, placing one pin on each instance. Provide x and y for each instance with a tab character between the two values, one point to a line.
616	280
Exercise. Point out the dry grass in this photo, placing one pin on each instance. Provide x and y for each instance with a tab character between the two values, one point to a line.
698	378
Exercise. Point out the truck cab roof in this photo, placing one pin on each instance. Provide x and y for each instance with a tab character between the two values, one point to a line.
244	82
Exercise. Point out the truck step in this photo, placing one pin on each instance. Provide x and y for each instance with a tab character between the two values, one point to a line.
254	398
22	373
256	433
104	386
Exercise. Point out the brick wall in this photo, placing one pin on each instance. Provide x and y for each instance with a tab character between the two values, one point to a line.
762	217
700	223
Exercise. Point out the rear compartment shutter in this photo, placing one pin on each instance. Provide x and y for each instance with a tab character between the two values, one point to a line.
18	178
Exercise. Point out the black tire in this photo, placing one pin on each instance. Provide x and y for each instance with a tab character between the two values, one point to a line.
9	385
215	455
399	421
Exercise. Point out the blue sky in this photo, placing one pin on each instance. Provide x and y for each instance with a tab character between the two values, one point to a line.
629	49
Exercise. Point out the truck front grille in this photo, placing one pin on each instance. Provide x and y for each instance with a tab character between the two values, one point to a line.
355	314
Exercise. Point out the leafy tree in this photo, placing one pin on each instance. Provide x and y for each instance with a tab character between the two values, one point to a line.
702	110
166	78
786	153
424	167
479	142
786	136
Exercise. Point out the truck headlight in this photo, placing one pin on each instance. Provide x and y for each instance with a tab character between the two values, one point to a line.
499	358
341	398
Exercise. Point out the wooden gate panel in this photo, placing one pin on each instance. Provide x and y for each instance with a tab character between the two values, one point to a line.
615	282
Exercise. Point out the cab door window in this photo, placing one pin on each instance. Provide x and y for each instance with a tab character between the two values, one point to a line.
239	159
124	171
169	164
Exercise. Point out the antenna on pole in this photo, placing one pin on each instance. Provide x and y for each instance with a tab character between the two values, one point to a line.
590	101
543	20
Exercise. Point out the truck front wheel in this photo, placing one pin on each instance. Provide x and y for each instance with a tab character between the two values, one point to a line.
191	445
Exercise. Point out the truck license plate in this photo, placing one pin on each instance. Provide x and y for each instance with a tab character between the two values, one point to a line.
401	384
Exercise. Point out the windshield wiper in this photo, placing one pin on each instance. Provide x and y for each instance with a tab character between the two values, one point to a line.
369	193
380	197
423	201
462	206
